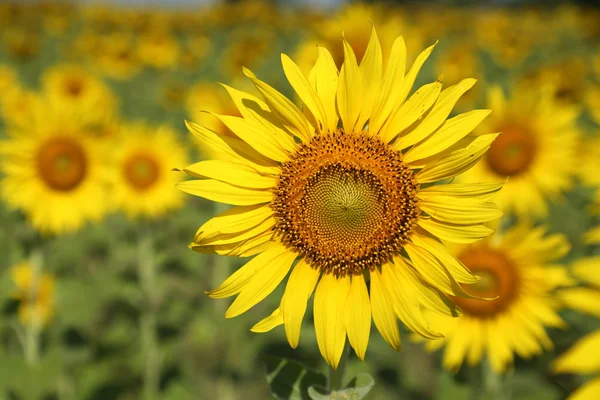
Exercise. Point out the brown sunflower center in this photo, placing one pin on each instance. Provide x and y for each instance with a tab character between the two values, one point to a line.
346	202
74	87
499	279
141	171
513	152
62	163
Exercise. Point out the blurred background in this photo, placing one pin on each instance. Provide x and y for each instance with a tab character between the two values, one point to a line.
117	309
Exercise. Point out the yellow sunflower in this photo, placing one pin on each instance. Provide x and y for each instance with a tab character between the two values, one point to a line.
17	105
248	48
344	188
116	56
584	356
144	184
158	49
518	271
77	90
35	294
537	149
54	172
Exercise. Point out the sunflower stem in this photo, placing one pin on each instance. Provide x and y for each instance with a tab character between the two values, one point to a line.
34	326
147	275
490	385
336	376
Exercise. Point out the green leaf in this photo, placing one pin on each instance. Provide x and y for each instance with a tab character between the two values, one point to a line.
358	389
290	380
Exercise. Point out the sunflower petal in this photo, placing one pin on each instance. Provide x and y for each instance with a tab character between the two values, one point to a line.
236	282
440	111
358	316
409	112
237	219
329	304
323	78
224	193
392	80
300	287
588	270
270	322
579	357
274	266
455	233
305	91
409	79
581	299
371	70
236	237
463	211
382	309
349	89
288	113
448	134
231	173
479	191
589	391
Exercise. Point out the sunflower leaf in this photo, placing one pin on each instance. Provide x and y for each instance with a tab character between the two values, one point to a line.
290	380
357	389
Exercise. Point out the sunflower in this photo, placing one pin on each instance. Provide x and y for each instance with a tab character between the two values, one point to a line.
36	295
53	171
143	181
77	90
158	49
116	56
537	149
584	356
343	187
17	105
248	48
518	272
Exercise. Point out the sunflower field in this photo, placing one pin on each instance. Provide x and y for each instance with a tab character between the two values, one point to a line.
257	199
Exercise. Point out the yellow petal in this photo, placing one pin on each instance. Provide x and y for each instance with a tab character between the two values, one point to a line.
274	266
358	316
413	109
394	75
454	266
496	100
232	173
300	287
236	282
448	134
442	108
349	90
270	322
256	136
245	248
305	91
262	227
593	235
455	233
582	299
370	70
283	108
224	193
588	270
479	191
456	161
406	306
583	357
323	78
499	350
237	219
382	308
329	305
589	391
409	79
462	211
432	270
457	346
231	149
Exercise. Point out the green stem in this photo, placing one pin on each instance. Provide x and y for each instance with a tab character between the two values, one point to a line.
34	327
148	323
490	385
336	376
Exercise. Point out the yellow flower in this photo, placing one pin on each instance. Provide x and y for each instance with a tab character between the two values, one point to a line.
54	172
158	49
17	106
117	58
144	184
584	356
518	270
36	295
344	188
537	149
78	91
21	43
248	48
355	21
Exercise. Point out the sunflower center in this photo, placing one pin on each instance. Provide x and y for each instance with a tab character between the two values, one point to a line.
62	164
512	152
346	202
141	171
74	87
499	279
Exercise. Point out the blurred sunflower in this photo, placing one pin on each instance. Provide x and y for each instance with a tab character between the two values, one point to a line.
518	271
537	149
355	21
248	48
592	101
35	294
348	201
77	90
158	49
54	172
144	185
8	78
17	105
584	356
117	57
